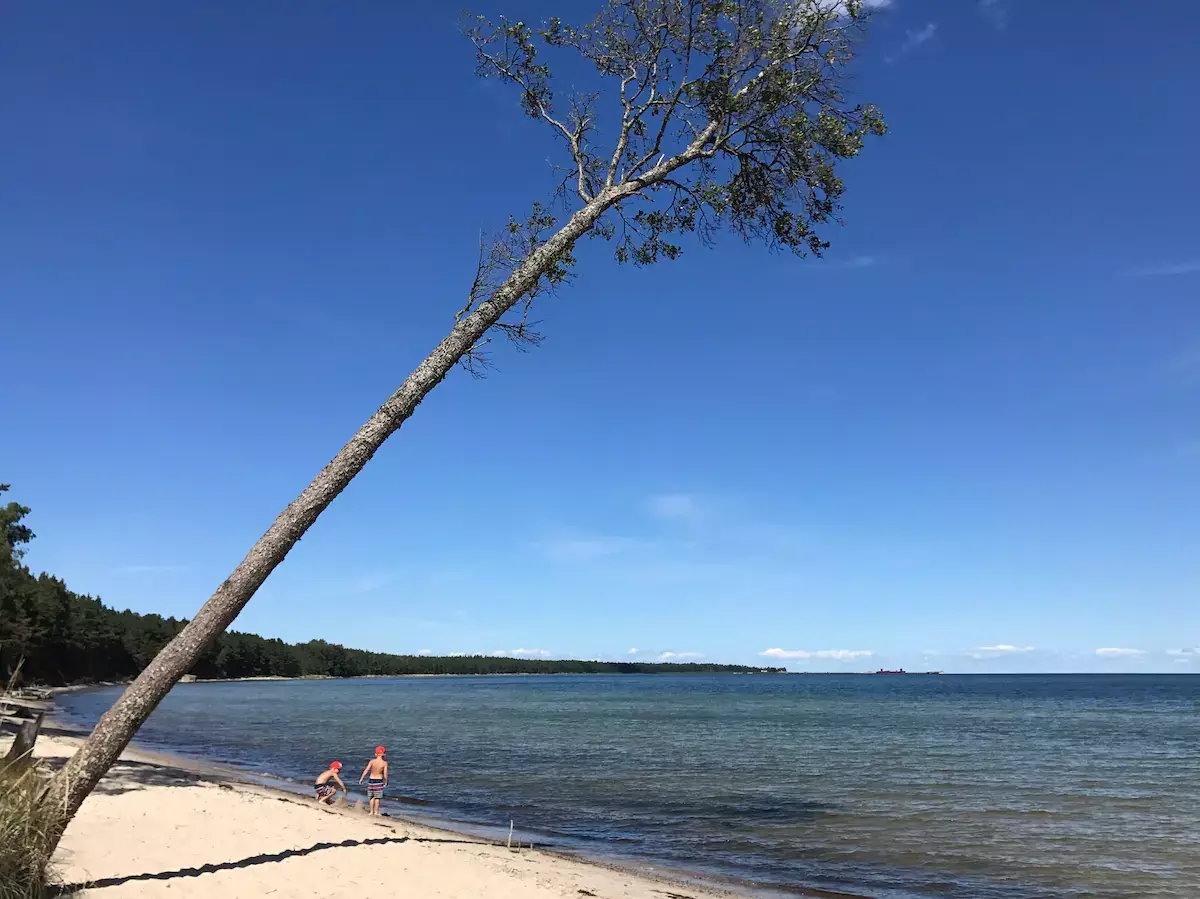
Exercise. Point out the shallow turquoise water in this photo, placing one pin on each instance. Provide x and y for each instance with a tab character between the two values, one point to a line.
970	787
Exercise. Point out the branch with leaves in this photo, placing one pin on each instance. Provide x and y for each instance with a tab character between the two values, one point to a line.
726	114
498	259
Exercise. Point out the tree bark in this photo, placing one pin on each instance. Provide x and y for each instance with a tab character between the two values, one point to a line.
71	786
116	728
20	754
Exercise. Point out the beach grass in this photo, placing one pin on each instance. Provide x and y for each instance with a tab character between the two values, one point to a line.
24	830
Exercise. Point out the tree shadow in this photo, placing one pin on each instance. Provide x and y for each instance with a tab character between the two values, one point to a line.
252	861
46	730
53	731
126	776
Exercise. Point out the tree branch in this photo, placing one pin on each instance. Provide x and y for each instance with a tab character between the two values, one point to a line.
536	98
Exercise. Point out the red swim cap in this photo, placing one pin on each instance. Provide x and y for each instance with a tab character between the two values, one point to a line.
335	765
379	750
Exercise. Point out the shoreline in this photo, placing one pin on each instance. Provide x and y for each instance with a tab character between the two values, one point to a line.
99	685
76	688
642	876
887	675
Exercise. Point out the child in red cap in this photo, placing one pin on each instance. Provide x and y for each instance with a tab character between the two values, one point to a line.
326	791
376	776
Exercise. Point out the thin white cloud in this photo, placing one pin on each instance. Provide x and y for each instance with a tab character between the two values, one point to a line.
633	651
844	655
678	656
914	38
1189	267
841	7
918	36
369	583
521	653
1186	651
424	652
863	261
786	653
456	655
998	650
1004	648
673	506
995	11
840	655
148	569
1119	652
1183	661
579	549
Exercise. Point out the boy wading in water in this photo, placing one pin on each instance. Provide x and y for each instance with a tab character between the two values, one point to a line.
376	776
328	782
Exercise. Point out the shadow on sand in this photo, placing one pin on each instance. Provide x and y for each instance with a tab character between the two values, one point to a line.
126	776
252	861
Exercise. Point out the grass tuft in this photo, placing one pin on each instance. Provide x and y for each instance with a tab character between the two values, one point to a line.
24	833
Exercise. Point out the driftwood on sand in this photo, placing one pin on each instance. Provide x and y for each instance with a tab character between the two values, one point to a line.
21	751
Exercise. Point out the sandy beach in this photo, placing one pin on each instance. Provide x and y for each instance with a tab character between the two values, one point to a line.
156	823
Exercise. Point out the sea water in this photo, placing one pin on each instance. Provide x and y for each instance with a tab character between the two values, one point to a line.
966	787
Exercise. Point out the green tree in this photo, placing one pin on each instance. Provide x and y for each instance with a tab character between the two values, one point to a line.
63	638
13	534
728	114
16	624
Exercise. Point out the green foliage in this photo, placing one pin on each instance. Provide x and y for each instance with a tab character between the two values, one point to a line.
13	534
748	92
498	261
717	115
66	638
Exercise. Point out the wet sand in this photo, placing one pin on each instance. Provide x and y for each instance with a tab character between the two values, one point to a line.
156	822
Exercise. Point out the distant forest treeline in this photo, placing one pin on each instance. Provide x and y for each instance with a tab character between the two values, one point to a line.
66	638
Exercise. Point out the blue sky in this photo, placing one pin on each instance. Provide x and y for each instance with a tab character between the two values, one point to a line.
967	439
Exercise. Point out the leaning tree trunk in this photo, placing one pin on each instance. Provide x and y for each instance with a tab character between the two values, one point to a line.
118	725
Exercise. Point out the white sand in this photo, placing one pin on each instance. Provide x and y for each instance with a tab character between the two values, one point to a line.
153	829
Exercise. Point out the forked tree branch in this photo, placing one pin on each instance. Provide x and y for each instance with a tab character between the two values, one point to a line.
535	95
753	152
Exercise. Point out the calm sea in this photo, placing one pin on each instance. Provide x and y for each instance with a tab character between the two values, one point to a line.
971	787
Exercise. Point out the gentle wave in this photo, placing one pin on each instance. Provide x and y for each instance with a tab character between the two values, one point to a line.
898	788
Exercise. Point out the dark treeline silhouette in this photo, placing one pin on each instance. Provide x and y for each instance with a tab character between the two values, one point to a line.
66	638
